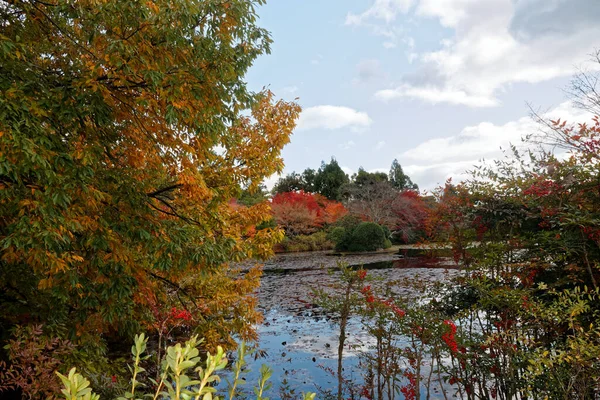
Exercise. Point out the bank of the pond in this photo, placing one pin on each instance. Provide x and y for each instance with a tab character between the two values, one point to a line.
316	259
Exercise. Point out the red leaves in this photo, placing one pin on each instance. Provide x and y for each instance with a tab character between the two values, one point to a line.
183	314
372	300
591	233
305	199
304	213
542	188
410	390
449	336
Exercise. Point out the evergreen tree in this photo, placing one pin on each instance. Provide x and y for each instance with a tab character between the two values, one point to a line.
399	179
329	180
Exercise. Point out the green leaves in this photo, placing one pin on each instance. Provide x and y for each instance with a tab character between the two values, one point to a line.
263	385
181	364
76	387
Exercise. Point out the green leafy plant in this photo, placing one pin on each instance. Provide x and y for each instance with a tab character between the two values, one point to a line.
183	375
76	387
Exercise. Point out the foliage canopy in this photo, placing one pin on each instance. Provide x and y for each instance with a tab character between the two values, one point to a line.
122	141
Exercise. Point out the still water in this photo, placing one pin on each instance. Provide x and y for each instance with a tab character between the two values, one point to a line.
299	341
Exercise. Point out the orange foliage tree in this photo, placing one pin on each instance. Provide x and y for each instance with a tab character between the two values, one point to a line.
304	213
123	136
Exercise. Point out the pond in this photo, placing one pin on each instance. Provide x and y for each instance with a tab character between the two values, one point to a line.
298	340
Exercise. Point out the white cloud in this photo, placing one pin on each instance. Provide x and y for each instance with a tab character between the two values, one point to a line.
452	12
271	181
380	145
385	10
435	95
333	117
348	171
380	19
495	43
435	160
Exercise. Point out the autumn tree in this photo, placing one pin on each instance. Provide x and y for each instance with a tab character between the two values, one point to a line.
379	198
122	141
372	201
411	213
301	213
527	229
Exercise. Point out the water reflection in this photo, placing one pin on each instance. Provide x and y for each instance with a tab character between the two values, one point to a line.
300	342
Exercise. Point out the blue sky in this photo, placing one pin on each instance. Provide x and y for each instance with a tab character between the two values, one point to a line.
437	84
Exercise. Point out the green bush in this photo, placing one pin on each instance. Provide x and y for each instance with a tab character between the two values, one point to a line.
341	234
349	223
368	236
337	234
353	235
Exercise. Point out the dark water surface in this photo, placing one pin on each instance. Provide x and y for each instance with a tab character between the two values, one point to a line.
298	341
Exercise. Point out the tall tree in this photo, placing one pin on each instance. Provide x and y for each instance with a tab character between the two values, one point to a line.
290	183
308	180
363	177
399	179
329	180
122	141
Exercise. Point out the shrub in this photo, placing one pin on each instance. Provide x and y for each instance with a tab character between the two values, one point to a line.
337	234
341	234
33	357
349	223
353	235
368	236
315	242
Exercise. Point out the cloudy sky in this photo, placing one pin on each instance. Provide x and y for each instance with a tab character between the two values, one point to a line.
437	84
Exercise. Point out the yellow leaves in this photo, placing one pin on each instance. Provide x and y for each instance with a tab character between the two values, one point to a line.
153	7
45	283
179	104
144	101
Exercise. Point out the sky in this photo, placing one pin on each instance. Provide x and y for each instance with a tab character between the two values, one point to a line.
437	84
